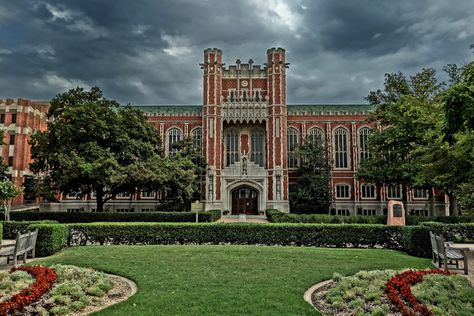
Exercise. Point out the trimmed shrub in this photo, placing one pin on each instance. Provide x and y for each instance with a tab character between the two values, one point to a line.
415	241
326	235
90	217
11	228
51	238
275	216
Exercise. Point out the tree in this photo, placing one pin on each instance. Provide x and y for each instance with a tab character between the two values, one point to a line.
186	149
93	145
312	191
8	191
447	158
407	109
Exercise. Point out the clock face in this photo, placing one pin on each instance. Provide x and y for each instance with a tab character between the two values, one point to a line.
244	83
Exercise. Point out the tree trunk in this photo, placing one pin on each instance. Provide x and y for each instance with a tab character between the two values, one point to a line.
99	200
453	205
6	207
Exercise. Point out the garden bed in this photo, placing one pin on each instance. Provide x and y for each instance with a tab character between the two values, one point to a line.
365	294
60	290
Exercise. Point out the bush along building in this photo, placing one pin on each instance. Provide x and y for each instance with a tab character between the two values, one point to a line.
248	135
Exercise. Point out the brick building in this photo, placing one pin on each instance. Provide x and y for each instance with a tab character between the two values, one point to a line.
19	119
248	135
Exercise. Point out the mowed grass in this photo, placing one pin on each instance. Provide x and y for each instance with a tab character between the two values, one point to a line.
226	280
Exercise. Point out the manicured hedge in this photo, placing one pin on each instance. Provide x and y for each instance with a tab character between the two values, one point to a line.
90	217
51	238
12	228
280	217
275	216
259	234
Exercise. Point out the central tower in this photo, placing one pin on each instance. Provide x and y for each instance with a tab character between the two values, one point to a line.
244	133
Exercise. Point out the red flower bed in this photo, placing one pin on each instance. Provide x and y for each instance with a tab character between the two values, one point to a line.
399	293
45	278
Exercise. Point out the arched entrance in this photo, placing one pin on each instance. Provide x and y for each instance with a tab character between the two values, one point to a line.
244	201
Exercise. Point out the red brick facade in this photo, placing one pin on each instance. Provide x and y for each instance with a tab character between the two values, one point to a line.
19	119
245	129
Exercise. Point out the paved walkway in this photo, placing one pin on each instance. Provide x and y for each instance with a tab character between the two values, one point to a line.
244	219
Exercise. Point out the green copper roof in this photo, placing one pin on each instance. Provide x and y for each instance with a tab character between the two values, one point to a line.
169	109
350	108
292	108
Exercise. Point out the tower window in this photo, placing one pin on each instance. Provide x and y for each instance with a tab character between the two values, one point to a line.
12	139
2	118
14	118
258	147
244	95
257	95
292	143
232	147
232	96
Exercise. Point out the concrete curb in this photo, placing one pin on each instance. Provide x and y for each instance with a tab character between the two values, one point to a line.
309	292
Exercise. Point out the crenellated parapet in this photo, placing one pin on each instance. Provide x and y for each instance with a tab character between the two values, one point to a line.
244	71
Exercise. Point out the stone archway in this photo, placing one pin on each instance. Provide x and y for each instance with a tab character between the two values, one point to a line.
244	200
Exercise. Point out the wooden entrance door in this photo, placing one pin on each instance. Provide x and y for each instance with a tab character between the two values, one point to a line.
244	201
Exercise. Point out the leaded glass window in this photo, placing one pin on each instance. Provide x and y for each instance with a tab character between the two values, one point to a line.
341	148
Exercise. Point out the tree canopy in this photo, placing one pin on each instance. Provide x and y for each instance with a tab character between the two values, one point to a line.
312	191
8	191
427	136
94	145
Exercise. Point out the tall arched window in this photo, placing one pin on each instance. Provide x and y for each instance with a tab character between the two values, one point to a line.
316	135
363	143
292	143
341	145
174	136
257	151
232	147
197	137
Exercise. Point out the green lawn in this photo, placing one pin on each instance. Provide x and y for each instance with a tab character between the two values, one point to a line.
226	280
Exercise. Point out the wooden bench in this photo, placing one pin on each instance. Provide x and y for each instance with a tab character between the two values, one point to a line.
449	255
24	244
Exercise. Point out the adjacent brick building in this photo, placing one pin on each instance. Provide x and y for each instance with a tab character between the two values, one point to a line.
19	119
248	135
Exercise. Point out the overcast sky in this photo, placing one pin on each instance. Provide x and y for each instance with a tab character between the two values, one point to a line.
148	51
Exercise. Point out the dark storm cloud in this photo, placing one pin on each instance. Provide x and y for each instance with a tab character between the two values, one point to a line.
148	51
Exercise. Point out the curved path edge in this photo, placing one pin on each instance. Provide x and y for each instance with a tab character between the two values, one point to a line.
309	292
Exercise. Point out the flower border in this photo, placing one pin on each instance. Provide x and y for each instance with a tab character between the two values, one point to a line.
45	278
399	293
